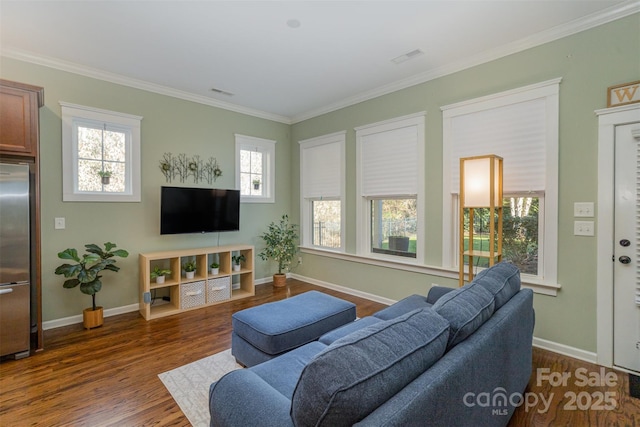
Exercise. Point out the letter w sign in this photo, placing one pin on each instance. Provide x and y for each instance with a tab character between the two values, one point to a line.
628	93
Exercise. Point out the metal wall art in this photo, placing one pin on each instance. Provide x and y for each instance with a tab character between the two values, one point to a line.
183	168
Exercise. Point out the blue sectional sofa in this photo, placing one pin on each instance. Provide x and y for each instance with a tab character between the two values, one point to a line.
458	357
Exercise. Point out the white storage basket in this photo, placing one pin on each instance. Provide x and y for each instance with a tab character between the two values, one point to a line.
218	289
192	294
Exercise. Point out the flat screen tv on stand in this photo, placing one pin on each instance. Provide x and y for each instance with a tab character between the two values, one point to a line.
186	210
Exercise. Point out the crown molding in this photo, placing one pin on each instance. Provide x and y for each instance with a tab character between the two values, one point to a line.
591	21
82	70
608	15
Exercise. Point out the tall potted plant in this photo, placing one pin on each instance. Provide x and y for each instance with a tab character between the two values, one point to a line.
86	273
280	239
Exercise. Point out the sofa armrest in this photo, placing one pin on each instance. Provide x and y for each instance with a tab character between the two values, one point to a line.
436	292
231	397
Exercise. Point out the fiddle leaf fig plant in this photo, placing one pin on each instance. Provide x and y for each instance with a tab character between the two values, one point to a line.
86	269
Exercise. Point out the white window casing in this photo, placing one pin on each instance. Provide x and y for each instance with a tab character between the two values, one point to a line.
390	161
520	125
322	177
268	149
75	116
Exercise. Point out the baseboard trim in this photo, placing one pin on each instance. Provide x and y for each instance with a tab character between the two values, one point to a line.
343	289
576	353
541	343
72	320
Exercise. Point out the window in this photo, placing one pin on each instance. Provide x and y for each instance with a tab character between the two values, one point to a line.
101	155
255	169
322	171
390	186
394	226
520	228
521	126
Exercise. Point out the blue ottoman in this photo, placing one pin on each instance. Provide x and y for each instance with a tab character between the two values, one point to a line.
268	330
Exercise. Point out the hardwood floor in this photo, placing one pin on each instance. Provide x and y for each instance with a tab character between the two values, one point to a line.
109	376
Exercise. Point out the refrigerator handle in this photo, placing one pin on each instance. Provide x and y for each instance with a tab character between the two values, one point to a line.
6	291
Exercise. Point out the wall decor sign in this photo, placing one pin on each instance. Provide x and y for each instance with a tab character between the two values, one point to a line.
627	93
181	167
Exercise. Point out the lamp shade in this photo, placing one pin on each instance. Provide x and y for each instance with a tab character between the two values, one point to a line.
481	181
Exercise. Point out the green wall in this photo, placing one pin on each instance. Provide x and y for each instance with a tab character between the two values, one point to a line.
588	63
168	125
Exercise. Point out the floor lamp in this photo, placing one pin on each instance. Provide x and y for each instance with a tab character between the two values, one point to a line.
480	188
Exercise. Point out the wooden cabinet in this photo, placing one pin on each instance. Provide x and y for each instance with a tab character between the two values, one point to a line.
19	143
19	104
179	293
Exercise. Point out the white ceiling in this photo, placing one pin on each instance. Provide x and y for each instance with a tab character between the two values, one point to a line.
339	55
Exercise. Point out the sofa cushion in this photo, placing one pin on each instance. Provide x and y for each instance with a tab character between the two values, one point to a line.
410	303
502	280
345	330
357	373
466	309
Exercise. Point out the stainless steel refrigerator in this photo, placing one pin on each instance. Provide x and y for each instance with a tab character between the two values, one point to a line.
15	255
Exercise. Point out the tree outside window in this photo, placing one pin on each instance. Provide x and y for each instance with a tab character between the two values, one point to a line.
520	233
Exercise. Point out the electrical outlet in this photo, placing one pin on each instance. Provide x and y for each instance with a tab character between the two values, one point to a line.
300	260
583	209
583	228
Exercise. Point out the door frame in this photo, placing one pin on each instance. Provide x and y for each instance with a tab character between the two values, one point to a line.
608	119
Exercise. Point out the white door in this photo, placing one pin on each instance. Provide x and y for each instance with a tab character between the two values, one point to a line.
626	276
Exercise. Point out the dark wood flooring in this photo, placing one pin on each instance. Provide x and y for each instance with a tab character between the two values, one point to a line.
109	376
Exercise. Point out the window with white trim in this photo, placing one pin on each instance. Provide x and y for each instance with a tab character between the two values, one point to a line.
322	189
101	155
521	126
390	186
255	169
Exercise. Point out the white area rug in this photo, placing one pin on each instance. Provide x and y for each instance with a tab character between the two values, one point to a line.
189	384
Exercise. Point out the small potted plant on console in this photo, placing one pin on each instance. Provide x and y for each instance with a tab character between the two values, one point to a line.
159	273
215	268
237	259
189	268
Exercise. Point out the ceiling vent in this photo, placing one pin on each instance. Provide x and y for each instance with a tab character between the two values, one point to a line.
407	56
221	92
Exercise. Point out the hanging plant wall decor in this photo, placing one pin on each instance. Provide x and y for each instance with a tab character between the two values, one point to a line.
184	168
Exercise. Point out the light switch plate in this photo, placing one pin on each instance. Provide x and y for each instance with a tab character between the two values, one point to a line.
583	228
59	224
583	209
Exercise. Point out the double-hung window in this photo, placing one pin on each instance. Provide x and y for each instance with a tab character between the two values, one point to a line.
255	169
521	126
322	173
101	155
390	188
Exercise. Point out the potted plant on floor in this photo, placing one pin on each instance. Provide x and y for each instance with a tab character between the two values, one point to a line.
86	273
159	273
281	247
236	260
189	268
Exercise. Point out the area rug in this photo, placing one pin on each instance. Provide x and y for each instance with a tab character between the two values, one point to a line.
189	384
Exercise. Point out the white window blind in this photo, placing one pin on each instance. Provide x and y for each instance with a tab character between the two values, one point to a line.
389	162
321	170
516	132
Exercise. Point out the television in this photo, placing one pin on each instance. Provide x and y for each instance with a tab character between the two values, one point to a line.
198	210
